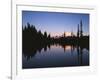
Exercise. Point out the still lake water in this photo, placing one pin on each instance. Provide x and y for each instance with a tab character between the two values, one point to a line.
56	56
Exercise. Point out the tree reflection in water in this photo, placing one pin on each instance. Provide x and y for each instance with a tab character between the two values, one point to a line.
30	53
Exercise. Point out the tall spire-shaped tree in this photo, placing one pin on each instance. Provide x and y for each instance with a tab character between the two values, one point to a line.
45	34
78	31
72	34
64	34
81	31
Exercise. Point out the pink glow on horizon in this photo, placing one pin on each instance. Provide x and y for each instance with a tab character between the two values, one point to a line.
59	34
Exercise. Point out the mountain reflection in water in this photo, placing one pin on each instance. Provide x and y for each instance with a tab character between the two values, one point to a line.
55	55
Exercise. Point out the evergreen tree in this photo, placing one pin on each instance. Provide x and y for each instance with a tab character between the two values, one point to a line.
28	25
64	34
78	31
45	34
81	31
72	34
40	35
49	36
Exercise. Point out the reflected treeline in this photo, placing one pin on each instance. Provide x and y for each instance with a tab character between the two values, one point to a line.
80	56
34	41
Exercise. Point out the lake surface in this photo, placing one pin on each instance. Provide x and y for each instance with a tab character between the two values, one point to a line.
56	56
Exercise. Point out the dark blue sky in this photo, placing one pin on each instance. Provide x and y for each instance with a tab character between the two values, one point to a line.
56	22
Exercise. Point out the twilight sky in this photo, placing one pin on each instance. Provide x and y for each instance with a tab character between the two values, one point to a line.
56	23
